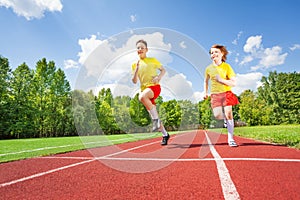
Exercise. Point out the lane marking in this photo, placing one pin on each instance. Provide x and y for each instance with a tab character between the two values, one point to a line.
175	159
44	173
68	166
228	187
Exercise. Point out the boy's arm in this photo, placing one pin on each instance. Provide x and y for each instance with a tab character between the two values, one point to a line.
135	74
156	79
230	82
206	86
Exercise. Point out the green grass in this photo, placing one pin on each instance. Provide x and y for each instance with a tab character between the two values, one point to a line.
11	150
18	149
288	135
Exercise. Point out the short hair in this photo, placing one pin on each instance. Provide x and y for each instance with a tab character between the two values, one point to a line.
141	41
222	49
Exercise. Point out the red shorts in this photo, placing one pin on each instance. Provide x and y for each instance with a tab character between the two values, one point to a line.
223	99
156	90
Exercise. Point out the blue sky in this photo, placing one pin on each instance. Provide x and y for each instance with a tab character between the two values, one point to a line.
93	40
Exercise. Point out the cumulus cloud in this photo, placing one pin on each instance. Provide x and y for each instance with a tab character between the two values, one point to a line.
265	57
272	57
249	81
253	44
31	9
87	45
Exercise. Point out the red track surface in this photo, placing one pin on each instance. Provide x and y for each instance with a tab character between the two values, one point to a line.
187	168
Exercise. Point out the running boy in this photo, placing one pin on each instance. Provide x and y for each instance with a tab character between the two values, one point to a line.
146	71
222	78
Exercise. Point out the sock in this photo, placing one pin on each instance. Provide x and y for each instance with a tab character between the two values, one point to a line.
163	130
230	127
153	113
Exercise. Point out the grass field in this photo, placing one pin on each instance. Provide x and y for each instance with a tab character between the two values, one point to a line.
27	148
288	135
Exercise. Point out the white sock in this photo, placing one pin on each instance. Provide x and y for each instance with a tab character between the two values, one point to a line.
163	130
153	112
230	127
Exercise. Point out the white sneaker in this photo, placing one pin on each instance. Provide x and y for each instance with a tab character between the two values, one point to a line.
232	143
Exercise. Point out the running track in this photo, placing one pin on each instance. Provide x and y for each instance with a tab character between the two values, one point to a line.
195	165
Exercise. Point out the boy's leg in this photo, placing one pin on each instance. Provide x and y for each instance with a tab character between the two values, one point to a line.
145	97
230	125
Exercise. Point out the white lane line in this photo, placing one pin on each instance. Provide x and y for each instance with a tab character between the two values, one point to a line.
228	187
69	166
176	159
44	173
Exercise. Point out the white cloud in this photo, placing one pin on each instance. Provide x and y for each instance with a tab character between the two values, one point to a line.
87	45
71	64
294	47
247	59
250	81
253	43
132	18
265	57
177	86
31	9
272	57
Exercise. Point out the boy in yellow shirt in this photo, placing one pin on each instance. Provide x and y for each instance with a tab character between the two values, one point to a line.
145	70
222	78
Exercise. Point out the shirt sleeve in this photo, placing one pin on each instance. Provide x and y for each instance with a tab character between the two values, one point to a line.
230	72
156	63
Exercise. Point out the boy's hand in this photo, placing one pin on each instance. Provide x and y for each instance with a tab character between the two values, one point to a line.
155	79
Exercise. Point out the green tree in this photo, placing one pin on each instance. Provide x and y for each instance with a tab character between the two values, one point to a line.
280	91
104	104
205	113
4	95
22	103
138	112
59	103
171	114
190	115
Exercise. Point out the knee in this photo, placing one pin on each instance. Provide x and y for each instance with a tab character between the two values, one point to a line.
142	98
219	116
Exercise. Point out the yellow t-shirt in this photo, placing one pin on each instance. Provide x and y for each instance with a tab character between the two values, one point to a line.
147	71
225	71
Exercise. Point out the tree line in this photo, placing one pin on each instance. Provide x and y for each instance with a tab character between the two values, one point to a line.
39	102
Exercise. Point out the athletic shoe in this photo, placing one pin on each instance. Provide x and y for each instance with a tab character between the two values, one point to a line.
165	140
155	125
225	124
232	143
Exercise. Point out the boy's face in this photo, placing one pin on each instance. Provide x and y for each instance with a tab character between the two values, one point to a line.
141	50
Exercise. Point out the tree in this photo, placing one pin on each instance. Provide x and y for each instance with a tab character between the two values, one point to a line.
138	112
22	103
280	91
4	95
171	114
205	113
190	115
